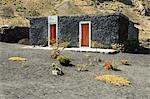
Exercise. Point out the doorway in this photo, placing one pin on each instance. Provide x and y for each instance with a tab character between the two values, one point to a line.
85	34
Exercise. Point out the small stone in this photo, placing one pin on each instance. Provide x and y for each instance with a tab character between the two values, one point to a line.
55	72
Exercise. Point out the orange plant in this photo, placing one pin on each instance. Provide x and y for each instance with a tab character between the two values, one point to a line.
108	65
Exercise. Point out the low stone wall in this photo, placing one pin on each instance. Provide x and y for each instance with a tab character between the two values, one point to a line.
14	34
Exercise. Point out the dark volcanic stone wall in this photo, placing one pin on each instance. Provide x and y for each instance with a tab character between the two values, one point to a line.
105	29
39	31
133	32
13	34
123	28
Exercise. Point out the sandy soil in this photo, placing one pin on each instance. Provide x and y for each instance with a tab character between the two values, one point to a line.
32	79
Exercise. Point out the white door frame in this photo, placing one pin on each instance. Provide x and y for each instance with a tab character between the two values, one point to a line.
51	21
80	32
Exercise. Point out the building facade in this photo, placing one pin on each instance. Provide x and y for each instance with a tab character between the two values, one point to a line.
79	31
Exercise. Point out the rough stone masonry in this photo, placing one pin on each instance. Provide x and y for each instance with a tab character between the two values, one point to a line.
105	29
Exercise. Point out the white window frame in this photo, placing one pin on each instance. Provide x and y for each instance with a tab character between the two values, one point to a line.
80	33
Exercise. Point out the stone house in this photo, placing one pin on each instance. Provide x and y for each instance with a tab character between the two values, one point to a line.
81	31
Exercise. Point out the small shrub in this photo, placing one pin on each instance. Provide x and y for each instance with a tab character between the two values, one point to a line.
64	44
19	8
94	44
108	65
114	66
55	53
128	46
55	66
119	47
34	12
82	67
64	60
124	62
56	69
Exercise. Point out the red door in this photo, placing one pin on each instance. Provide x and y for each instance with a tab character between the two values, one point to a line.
52	34
85	35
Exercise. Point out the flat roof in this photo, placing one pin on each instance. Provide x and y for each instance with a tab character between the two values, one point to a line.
101	14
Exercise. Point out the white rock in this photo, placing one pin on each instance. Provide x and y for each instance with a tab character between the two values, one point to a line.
55	72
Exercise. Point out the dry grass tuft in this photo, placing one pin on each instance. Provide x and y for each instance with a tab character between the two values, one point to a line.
17	59
124	62
114	80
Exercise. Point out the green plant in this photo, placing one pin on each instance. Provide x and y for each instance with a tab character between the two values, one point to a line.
64	60
55	66
19	8
81	67
56	69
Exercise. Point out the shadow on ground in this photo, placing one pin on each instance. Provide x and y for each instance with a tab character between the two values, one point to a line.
143	50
